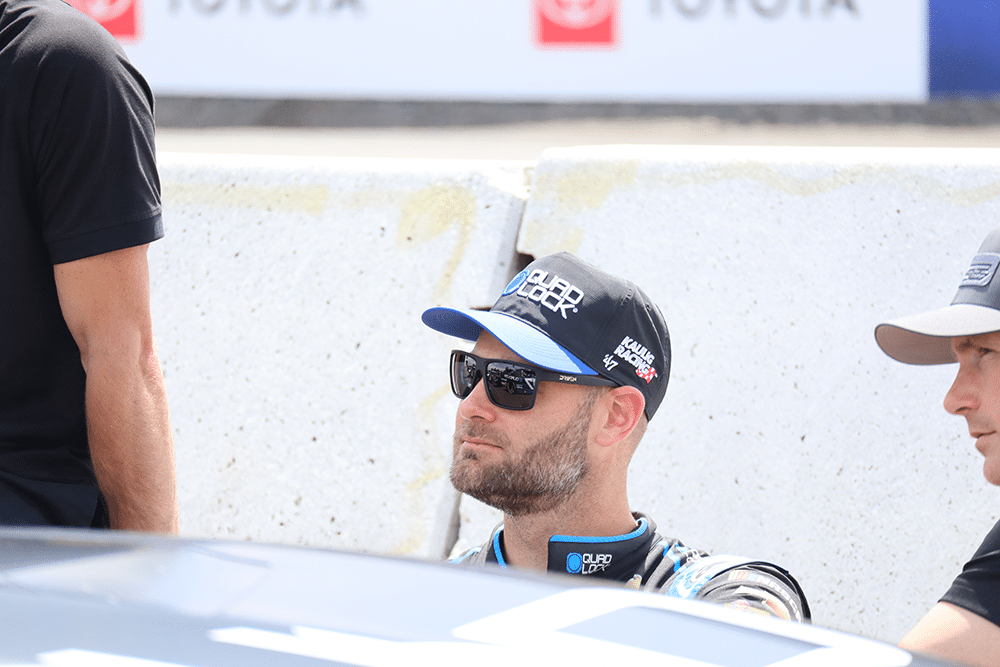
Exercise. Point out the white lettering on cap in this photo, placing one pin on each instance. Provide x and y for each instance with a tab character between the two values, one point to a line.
636	354
553	292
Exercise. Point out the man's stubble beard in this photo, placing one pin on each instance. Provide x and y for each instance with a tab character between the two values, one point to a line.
545	475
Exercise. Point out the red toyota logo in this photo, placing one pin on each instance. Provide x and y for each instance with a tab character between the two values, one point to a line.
119	17
576	22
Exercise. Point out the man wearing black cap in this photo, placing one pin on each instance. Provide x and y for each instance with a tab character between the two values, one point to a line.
965	625
575	363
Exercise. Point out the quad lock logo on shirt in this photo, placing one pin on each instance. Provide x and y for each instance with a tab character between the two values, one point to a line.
552	292
587	563
634	353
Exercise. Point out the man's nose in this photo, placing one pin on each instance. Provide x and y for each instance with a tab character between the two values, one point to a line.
477	404
963	395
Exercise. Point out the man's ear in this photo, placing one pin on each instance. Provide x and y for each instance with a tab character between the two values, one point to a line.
623	408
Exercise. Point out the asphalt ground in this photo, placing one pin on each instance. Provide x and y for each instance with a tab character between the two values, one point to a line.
522	132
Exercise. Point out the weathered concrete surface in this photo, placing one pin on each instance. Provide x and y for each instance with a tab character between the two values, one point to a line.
306	397
786	433
311	405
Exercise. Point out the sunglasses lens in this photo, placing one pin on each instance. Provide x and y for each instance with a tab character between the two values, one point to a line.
511	386
464	374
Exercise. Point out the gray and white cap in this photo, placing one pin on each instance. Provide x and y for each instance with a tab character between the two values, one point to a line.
925	338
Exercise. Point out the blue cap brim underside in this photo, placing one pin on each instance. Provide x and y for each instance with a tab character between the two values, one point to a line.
523	339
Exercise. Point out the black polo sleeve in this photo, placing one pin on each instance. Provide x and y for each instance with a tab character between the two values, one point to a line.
92	135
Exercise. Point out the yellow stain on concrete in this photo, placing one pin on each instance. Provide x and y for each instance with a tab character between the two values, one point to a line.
577	189
435	471
582	188
585	187
361	198
308	199
769	176
413	493
545	238
838	177
976	196
428	405
431	212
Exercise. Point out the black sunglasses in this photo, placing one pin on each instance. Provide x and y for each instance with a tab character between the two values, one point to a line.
509	384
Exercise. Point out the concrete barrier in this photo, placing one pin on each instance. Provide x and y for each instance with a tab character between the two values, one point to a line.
786	433
303	387
310	405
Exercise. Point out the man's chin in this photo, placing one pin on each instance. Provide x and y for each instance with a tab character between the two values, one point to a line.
509	506
991	471
466	474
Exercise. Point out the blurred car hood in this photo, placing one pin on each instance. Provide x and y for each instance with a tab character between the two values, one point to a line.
81	598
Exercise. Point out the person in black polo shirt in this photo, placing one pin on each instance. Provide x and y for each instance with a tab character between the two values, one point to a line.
85	436
965	624
568	367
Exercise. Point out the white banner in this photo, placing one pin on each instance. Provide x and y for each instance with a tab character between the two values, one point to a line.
532	50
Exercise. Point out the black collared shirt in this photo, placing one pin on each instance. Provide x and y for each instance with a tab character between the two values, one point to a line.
77	178
644	559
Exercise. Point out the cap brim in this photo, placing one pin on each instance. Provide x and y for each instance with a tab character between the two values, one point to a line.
523	339
926	338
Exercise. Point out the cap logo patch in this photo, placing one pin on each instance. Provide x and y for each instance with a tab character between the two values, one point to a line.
634	353
515	283
553	292
981	270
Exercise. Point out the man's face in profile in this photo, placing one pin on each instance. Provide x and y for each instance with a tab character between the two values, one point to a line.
975	395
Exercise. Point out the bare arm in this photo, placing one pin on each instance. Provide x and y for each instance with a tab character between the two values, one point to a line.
954	633
105	302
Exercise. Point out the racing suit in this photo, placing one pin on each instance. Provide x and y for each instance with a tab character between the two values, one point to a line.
645	560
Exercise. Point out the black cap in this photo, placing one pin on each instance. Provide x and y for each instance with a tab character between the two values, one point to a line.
566	315
925	338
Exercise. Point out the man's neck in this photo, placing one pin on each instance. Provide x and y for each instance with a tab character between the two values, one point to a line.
526	538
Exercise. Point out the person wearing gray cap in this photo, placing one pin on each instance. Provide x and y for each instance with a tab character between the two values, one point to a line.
569	365
965	624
